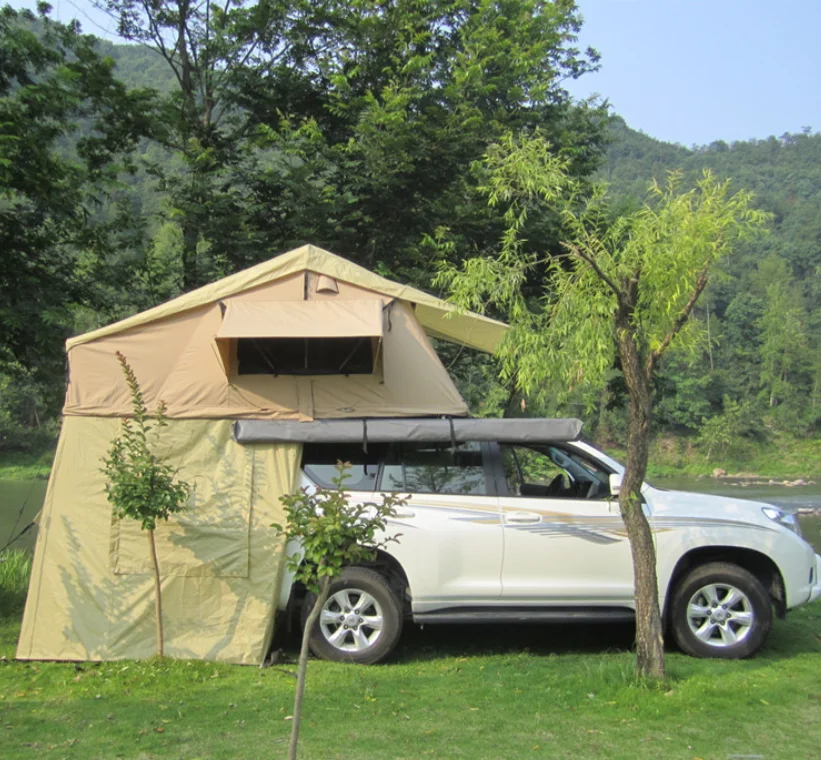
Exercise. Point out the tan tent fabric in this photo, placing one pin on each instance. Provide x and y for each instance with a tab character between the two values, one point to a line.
91	593
301	319
91	590
437	317
177	360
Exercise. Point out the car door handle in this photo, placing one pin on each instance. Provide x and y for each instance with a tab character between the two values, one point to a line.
404	513
522	517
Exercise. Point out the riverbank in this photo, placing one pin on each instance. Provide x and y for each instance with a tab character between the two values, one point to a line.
780	458
18	465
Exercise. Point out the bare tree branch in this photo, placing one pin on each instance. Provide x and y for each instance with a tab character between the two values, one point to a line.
159	44
591	262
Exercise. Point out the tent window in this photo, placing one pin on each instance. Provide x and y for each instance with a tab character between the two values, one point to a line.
305	356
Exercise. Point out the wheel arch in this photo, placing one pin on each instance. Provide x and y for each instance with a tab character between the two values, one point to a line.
383	563
754	562
390	567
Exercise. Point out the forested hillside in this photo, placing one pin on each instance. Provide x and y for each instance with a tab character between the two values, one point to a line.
764	362
127	178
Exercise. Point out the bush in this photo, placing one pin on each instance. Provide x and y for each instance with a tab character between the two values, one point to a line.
25	424
15	571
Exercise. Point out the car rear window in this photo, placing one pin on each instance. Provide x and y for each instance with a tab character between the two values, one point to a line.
319	461
435	468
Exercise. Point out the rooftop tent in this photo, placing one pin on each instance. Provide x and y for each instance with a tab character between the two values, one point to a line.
303	337
183	353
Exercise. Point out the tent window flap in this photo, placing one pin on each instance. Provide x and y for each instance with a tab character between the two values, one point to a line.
301	337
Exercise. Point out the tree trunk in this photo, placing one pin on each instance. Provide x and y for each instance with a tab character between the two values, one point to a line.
157	592
649	639
324	586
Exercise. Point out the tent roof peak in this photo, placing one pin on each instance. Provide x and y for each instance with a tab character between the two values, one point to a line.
438	318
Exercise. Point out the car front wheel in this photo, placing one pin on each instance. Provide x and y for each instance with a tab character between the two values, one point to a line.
360	622
720	610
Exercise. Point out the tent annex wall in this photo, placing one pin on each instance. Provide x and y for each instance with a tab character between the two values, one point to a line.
90	595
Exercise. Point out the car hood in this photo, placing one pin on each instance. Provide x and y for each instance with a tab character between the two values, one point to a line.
687	504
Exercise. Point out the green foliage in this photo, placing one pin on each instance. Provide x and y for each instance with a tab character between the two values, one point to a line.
377	161
360	127
24	406
332	533
657	257
722	432
771	361
15	571
65	125
139	485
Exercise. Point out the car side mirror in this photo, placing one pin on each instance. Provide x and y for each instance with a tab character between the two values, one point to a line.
615	484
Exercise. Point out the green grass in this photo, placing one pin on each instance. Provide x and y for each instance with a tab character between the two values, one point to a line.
19	465
450	692
15	568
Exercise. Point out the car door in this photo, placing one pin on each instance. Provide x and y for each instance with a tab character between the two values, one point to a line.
451	534
564	540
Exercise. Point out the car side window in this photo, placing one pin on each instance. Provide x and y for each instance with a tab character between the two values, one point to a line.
435	468
553	472
319	462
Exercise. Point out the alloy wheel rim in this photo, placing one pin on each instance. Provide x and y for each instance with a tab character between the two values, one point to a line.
351	620
720	615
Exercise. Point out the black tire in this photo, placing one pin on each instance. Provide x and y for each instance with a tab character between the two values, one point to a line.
720	610
359	642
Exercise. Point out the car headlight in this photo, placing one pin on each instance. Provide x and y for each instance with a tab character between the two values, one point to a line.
787	519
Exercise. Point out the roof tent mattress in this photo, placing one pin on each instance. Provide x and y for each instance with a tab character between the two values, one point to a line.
386	430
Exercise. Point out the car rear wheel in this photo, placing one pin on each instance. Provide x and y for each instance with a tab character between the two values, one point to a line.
360	622
720	610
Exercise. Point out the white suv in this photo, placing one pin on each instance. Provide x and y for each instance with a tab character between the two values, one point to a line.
514	521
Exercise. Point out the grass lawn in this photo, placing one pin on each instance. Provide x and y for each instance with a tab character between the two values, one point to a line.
451	692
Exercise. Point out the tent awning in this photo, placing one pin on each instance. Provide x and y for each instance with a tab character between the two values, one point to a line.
426	429
301	319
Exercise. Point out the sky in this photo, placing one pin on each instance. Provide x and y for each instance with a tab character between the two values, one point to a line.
695	71
683	71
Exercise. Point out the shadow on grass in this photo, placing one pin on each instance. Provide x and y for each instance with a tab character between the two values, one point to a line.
12	603
422	643
799	634
431	642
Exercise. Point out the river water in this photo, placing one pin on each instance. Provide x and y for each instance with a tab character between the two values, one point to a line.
29	495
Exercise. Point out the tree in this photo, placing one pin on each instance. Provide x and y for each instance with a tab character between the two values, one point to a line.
722	431
140	485
622	292
406	97
201	127
783	328
351	125
65	125
332	535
